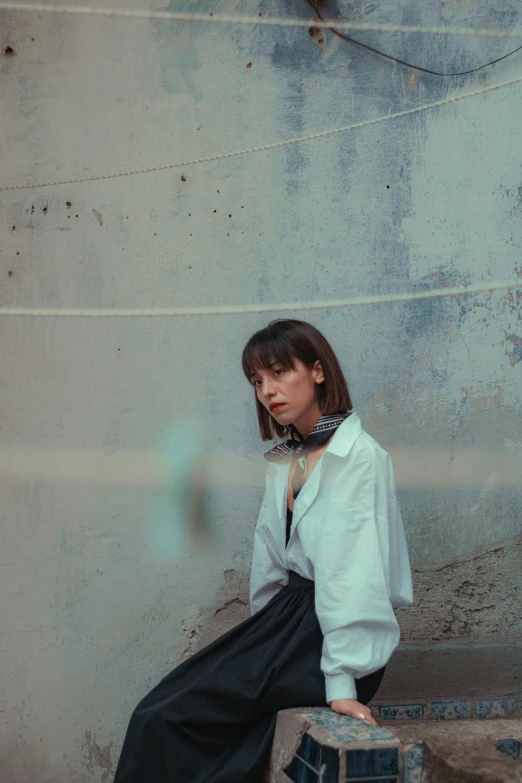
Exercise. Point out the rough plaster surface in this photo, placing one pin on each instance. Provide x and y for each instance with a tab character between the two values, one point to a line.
453	670
454	751
463	751
90	618
231	608
468	598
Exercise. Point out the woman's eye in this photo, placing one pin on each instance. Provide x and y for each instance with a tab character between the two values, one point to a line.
276	372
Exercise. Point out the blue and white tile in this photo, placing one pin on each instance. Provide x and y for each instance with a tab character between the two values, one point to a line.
356	733
510	746
401	711
449	710
345	728
412	759
494	708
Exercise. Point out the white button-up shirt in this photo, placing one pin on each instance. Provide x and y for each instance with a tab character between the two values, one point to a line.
347	536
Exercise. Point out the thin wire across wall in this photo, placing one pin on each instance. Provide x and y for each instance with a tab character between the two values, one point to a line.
174	312
263	21
266	147
372	49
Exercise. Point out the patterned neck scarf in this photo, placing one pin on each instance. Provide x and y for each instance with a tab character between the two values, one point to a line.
323	429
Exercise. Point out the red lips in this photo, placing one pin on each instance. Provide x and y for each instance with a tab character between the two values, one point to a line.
276	405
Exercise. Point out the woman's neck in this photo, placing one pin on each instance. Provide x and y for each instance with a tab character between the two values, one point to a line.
305	424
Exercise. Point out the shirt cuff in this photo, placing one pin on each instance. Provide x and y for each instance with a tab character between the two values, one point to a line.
340	686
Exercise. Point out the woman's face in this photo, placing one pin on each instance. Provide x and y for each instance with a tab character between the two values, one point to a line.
290	394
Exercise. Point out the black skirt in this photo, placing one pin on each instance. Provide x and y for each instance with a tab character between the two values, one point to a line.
212	719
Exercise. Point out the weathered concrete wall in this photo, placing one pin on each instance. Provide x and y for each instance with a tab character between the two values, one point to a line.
90	617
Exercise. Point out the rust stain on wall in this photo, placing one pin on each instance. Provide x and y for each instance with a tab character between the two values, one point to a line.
318	35
413	78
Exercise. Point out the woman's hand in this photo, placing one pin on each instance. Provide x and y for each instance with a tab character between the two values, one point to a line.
354	709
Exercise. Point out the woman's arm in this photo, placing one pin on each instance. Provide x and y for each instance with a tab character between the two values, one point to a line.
351	593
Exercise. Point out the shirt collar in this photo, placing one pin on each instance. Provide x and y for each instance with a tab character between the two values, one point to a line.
342	441
345	435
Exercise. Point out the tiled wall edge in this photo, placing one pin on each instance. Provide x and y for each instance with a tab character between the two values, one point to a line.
440	709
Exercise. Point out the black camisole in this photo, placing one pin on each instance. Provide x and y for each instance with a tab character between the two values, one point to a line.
289	516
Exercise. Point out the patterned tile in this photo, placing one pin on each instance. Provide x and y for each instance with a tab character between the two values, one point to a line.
374	763
494	708
510	746
346	729
323	717
446	710
412	759
401	711
491	707
357	733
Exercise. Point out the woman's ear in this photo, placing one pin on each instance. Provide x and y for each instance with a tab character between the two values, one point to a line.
318	372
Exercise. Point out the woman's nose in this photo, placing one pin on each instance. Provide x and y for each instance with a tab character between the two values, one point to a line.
267	389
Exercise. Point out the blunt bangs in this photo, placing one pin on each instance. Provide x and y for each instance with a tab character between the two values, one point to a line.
265	349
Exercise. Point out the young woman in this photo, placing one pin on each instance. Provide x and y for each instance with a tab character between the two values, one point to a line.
330	564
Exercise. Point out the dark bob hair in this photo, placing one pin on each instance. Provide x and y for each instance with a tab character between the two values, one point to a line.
283	341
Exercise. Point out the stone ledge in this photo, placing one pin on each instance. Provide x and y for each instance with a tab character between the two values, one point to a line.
463	752
319	746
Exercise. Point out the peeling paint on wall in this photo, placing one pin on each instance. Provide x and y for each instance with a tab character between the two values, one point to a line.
514	355
99	758
230	608
476	597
